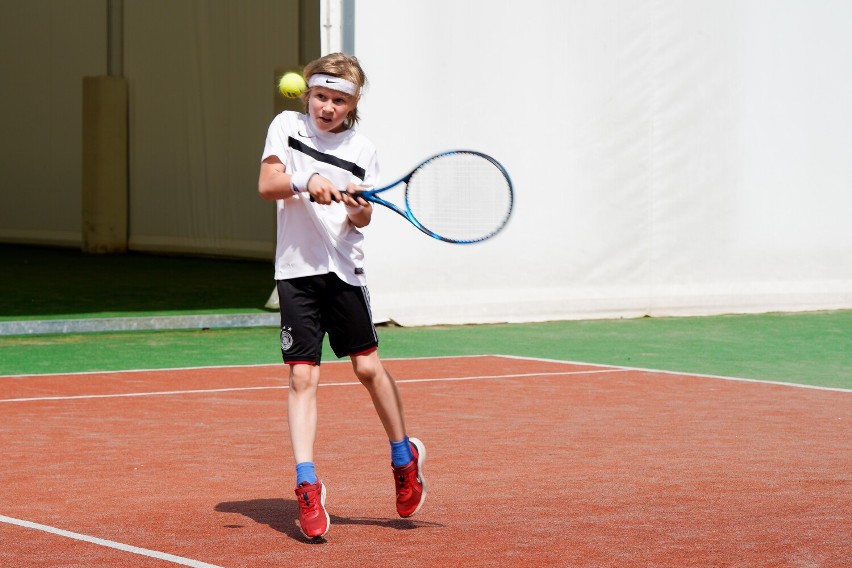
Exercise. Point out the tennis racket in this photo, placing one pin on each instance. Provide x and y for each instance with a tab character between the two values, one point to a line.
459	197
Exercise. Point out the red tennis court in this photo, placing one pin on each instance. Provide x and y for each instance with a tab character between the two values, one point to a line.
530	462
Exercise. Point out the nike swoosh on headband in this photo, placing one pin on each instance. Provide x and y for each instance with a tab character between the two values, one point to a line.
340	84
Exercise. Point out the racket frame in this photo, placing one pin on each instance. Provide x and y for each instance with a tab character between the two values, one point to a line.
372	195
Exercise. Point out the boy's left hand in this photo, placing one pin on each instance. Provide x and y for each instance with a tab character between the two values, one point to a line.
351	198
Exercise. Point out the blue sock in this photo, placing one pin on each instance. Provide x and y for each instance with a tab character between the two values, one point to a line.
401	452
305	473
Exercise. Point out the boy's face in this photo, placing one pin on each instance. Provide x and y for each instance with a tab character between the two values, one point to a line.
328	108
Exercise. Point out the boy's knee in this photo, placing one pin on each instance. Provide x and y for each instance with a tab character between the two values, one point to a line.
367	370
302	377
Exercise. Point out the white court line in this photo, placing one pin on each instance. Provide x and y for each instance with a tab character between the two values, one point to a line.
517	357
108	543
250	366
278	387
679	374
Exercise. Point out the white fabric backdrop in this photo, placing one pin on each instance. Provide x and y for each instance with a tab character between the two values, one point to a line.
201	81
46	48
669	157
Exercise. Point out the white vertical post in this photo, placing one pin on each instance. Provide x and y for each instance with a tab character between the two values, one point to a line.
331	14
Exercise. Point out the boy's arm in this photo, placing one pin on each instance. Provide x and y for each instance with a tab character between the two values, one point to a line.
274	183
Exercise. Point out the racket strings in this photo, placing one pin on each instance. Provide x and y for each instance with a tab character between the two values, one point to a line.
462	197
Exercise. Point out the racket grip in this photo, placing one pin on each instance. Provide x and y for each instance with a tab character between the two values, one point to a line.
333	199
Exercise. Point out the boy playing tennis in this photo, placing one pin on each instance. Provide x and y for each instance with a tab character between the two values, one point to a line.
310	164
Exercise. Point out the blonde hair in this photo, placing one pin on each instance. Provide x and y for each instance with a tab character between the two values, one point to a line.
338	65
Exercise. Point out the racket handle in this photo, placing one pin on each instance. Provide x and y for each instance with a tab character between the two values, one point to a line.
333	199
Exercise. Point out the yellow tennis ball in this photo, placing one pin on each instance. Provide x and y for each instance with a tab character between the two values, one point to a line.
292	85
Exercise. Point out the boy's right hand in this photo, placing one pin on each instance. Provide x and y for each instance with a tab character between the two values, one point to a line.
322	191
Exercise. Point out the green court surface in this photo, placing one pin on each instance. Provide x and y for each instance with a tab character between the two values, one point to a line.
813	348
808	348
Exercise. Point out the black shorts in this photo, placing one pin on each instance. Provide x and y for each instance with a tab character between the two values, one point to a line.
312	306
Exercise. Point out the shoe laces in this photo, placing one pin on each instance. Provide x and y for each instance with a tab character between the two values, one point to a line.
404	482
307	504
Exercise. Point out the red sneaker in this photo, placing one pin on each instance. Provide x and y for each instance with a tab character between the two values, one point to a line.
313	518
410	484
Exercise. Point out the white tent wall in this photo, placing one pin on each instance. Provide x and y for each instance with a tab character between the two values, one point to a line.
201	79
201	82
46	48
669	157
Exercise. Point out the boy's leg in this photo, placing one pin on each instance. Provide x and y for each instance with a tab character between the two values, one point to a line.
408	475
351	331
301	348
302	410
302	420
382	388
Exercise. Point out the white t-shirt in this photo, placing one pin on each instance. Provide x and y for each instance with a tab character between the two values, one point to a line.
319	239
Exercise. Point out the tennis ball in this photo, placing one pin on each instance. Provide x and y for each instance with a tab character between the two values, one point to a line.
292	85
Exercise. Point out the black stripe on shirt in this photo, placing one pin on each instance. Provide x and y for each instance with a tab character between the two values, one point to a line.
350	167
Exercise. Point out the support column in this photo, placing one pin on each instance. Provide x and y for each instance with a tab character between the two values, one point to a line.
105	169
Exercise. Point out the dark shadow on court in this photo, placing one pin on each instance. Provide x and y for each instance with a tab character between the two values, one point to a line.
281	515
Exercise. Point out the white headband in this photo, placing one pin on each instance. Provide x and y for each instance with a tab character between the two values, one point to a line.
336	83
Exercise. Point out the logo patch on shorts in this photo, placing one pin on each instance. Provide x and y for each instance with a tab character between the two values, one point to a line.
286	338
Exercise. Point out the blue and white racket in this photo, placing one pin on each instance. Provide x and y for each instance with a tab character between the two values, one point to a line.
460	197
